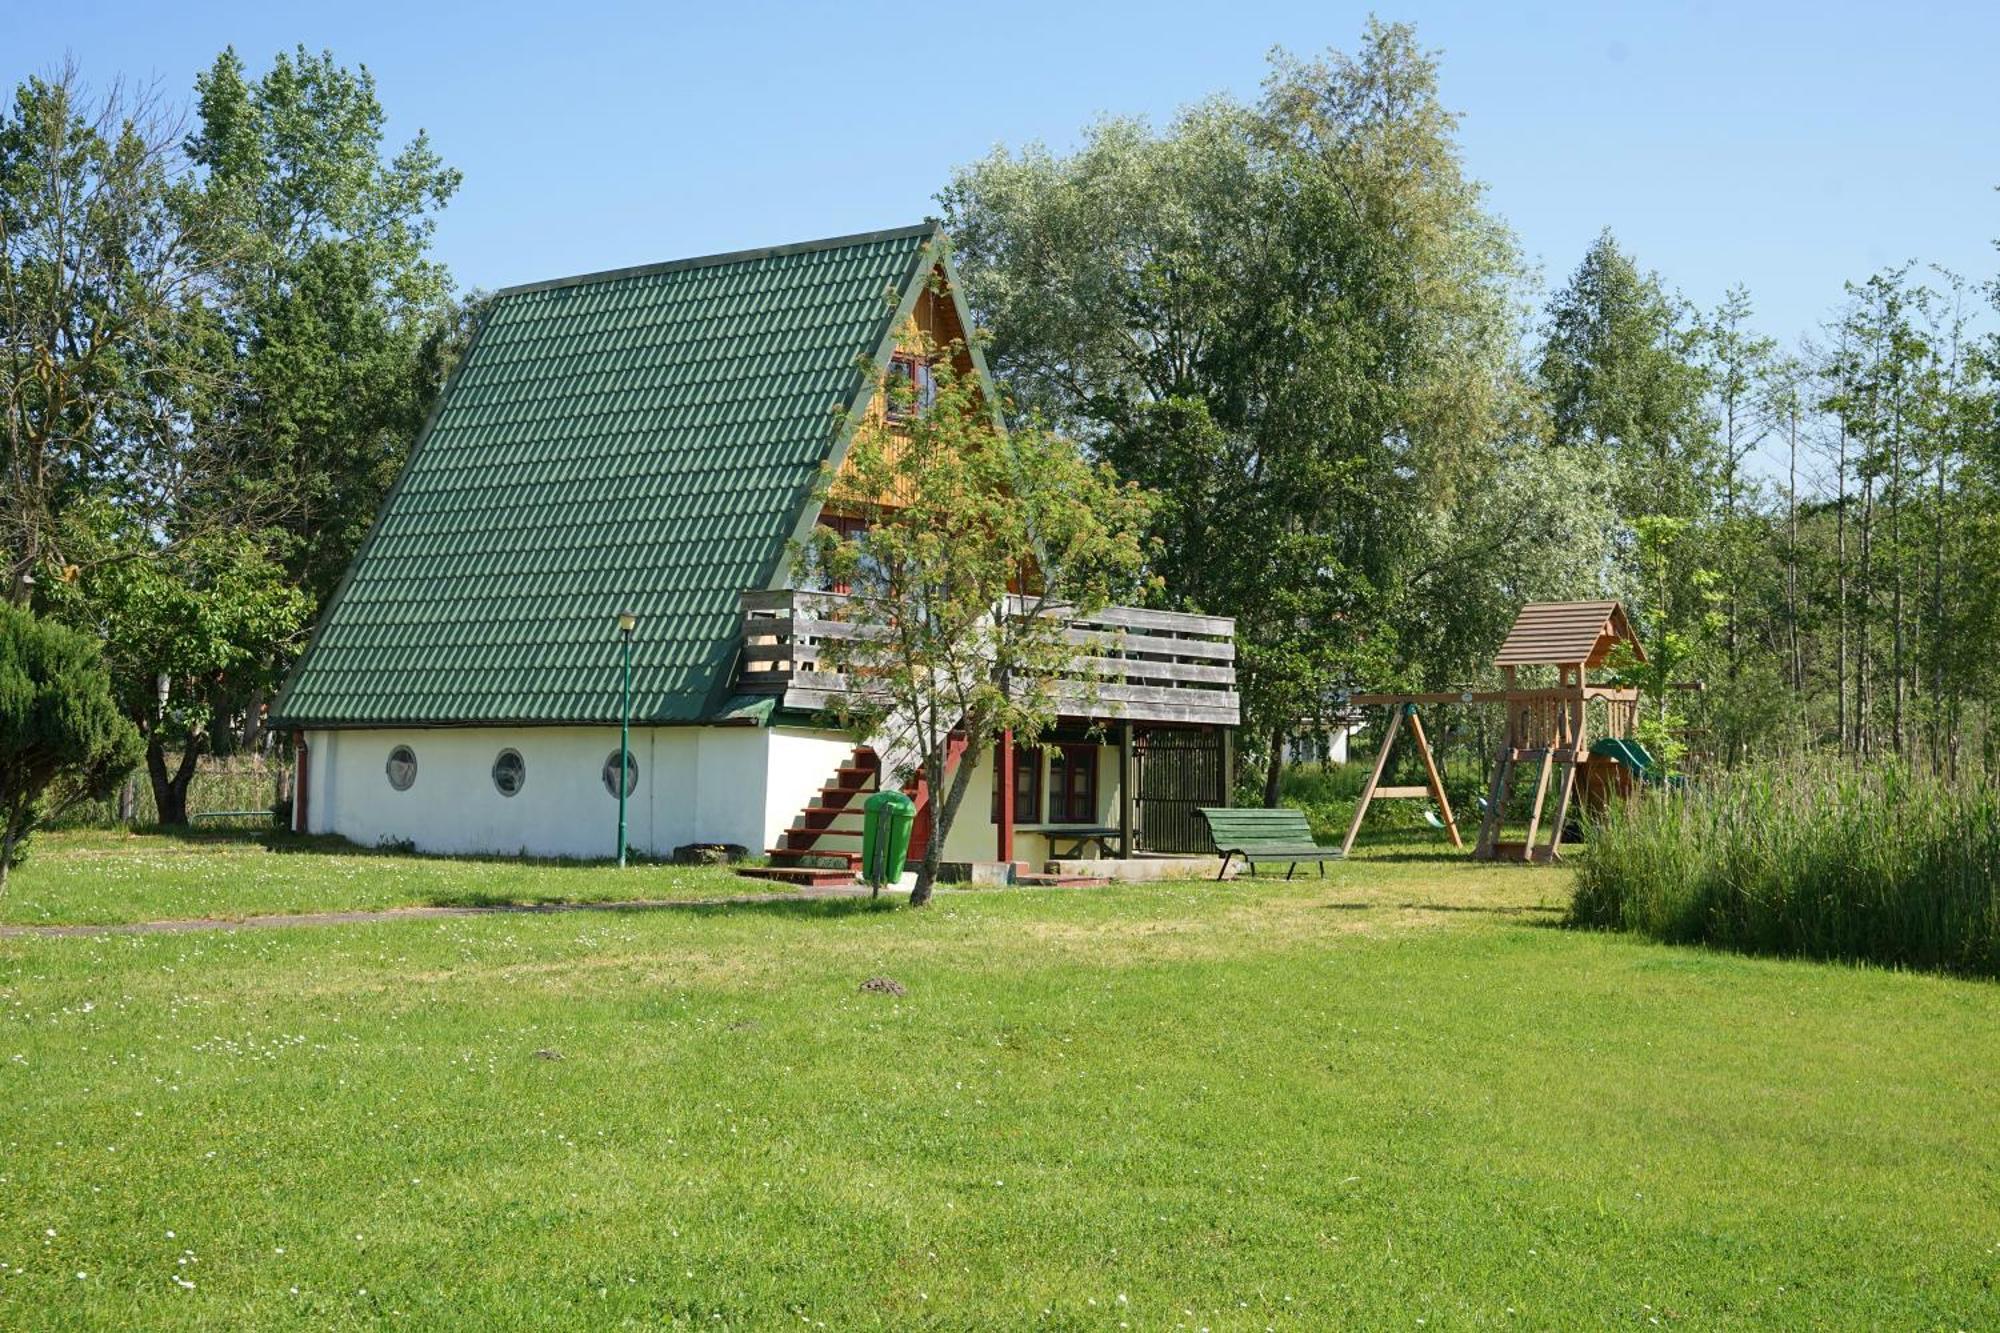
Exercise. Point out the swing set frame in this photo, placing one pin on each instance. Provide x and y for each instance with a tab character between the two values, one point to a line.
1548	729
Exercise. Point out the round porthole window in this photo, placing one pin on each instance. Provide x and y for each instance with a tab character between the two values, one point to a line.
402	767
610	773
509	772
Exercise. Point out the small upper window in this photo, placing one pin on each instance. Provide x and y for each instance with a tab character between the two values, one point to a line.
510	771
912	387
402	767
610	773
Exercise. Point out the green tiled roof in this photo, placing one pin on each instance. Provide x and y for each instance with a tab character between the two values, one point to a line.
647	437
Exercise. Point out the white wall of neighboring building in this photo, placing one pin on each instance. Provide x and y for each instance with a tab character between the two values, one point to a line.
696	784
1307	749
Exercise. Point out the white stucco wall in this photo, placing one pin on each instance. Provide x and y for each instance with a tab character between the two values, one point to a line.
696	784
801	762
975	837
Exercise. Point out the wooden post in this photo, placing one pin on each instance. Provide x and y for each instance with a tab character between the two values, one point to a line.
1004	758
1374	778
1535	811
1564	789
302	784
1228	765
1125	792
1436	781
1496	802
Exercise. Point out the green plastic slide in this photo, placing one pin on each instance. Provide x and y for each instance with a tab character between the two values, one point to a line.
1635	757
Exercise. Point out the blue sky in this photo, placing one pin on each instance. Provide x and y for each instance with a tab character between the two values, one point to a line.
1788	147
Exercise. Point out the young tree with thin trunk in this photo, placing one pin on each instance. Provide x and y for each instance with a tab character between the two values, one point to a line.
977	548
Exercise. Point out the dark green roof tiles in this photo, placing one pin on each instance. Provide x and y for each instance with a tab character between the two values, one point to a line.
643	437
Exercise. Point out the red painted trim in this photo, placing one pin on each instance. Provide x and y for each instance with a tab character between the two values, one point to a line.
919	791
301	781
1004	757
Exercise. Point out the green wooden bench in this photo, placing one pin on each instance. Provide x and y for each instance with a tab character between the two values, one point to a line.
1265	835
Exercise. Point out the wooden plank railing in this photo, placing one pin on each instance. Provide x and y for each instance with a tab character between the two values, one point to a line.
1131	664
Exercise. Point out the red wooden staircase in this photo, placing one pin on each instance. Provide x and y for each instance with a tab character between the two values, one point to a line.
823	846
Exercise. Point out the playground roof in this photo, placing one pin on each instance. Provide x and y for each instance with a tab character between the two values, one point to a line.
1567	634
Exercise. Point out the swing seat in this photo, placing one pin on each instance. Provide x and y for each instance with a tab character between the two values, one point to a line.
1431	818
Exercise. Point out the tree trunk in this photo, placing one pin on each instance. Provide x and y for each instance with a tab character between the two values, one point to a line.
1840	568
253	723
1730	579
1794	654
942	812
1274	770
1898	636
170	789
1861	625
927	869
21	586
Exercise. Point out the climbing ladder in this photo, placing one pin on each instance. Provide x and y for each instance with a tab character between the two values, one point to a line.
1545	730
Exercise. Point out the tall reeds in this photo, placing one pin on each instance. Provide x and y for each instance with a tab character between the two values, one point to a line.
1807	859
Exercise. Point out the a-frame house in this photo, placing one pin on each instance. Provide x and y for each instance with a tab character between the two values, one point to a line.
650	439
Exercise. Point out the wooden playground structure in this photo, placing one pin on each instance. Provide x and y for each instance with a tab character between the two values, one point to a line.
1549	733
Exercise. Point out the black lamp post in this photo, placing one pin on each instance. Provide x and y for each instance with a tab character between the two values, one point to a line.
628	622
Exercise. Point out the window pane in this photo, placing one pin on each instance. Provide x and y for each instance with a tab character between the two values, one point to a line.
900	390
1073	785
509	772
402	767
1027	786
610	773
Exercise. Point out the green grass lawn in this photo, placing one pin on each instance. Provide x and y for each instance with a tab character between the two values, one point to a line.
1398	1098
101	877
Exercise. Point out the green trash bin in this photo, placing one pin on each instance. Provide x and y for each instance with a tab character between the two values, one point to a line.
886	820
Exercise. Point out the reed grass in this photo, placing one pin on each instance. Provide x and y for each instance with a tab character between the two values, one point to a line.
1807	858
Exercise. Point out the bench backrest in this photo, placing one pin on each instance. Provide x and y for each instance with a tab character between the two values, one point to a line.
1241	828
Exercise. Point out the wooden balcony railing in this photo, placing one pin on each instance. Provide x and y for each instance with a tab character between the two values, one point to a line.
1131	664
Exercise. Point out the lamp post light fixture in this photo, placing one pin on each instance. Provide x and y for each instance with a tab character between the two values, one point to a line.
628	624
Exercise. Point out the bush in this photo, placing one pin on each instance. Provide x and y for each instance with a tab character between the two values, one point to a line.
1808	859
62	738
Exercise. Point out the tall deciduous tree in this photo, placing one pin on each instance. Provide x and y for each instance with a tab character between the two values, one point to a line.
331	293
1620	372
105	267
219	347
1294	321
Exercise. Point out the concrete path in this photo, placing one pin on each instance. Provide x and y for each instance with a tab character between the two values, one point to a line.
276	920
